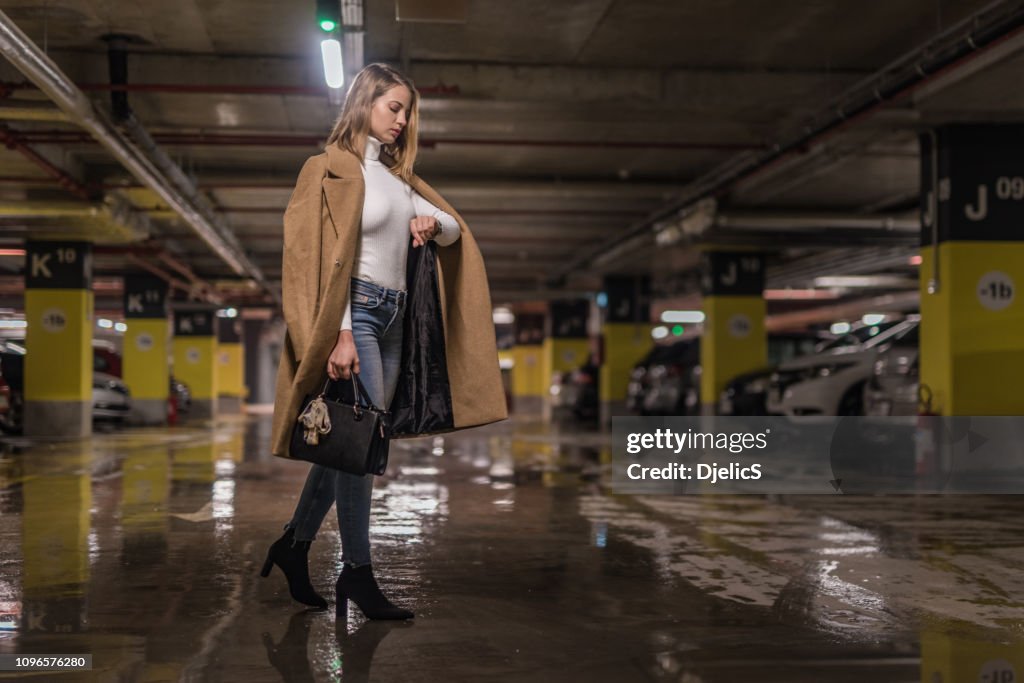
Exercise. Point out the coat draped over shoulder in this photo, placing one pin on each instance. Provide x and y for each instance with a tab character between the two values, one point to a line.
321	231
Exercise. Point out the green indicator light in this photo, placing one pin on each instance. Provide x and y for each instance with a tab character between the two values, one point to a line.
328	25
677	330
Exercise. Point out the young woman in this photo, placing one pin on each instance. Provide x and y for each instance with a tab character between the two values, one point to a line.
356	212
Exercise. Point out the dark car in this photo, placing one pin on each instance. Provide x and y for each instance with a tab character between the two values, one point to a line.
111	399
747	394
671	381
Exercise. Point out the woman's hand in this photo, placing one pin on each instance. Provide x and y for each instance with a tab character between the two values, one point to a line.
423	228
344	357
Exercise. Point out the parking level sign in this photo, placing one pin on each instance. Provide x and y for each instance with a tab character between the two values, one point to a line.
58	265
996	290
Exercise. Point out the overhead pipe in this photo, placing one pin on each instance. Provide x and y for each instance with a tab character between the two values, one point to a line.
901	302
952	49
301	140
14	141
760	220
226	89
183	197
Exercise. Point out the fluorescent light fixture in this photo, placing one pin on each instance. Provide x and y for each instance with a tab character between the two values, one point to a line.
334	72
12	252
659	332
839	328
873	318
503	316
13	324
120	327
682	316
104	323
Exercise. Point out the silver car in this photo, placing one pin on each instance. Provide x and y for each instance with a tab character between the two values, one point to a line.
893	386
110	398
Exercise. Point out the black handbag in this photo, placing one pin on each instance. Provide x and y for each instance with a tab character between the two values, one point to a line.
342	435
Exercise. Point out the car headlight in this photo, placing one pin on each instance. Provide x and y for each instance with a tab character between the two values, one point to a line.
757	386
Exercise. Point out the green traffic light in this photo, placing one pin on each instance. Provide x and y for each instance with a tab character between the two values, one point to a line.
328	25
677	330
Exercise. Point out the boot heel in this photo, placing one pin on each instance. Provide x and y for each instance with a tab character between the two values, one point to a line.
267	566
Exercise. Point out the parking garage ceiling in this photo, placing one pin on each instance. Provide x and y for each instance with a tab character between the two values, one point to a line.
567	133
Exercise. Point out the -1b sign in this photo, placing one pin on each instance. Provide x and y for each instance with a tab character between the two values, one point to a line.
996	290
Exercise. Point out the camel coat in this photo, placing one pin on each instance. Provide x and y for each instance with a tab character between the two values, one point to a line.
321	230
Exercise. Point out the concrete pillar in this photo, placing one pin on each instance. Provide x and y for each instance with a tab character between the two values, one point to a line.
58	339
972	261
734	340
230	365
626	338
194	350
146	370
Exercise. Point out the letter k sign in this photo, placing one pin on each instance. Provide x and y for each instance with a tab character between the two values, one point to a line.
39	268
135	303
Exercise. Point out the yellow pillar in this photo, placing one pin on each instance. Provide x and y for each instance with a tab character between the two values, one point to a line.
58	339
230	364
146	371
528	382
626	338
733	341
972	264
194	350
951	658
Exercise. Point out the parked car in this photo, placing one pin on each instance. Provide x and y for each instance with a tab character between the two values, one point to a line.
575	392
894	383
832	381
639	379
671	383
105	358
7	409
180	397
747	394
110	396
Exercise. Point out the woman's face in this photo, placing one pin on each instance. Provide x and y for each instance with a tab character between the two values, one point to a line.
389	114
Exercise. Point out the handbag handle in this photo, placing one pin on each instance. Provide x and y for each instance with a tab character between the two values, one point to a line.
359	391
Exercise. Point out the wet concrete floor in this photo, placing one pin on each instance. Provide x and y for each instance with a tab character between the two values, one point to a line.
143	548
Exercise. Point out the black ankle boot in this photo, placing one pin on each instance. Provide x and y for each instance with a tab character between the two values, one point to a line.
358	585
293	558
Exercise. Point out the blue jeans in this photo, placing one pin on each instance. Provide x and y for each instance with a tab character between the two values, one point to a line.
377	330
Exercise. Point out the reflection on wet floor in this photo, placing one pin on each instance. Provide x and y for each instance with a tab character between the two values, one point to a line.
143	549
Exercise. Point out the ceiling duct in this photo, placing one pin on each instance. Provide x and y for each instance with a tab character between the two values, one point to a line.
145	162
931	66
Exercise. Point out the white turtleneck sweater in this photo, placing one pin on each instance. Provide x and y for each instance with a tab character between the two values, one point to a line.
389	205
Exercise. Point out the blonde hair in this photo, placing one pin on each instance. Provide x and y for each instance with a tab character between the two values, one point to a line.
353	124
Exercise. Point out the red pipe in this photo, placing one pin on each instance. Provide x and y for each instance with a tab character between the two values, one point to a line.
7	87
16	142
